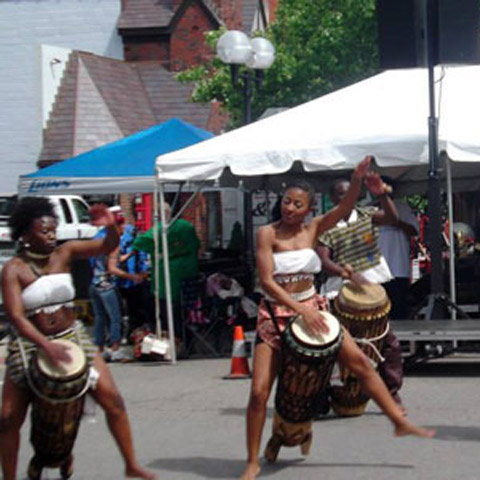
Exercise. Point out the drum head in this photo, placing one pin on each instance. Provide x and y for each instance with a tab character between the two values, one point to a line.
362	297
64	369
303	334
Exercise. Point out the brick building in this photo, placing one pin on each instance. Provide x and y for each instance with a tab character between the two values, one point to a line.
101	99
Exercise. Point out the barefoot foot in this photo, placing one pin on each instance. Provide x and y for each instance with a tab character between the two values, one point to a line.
251	471
139	472
407	428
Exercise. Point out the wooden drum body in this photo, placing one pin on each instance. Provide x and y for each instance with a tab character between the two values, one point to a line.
57	406
363	310
306	366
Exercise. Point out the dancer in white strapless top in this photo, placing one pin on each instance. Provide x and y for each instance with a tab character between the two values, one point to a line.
38	296
286	264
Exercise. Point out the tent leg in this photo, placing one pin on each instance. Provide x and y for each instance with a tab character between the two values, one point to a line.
166	273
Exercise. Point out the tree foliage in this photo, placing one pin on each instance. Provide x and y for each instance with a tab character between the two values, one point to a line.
320	46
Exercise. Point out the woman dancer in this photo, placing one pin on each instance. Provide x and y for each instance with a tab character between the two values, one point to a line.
43	268
286	263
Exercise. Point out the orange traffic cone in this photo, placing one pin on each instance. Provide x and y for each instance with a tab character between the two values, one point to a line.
239	366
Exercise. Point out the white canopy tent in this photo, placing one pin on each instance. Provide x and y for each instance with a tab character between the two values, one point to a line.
385	116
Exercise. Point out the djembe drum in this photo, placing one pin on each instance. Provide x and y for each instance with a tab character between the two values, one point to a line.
57	407
306	365
363	311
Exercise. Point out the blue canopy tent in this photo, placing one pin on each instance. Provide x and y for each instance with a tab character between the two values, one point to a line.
124	166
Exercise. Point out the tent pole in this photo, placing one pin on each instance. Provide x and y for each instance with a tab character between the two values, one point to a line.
156	255
453	288
248	245
166	273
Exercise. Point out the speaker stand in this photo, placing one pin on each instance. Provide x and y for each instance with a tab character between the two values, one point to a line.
437	302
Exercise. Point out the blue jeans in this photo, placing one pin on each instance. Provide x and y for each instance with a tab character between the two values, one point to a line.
108	314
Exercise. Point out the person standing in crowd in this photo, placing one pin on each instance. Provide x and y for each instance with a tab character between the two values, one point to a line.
133	293
350	251
287	263
105	298
394	244
183	246
38	296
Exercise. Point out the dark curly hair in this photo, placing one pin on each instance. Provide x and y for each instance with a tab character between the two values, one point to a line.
26	211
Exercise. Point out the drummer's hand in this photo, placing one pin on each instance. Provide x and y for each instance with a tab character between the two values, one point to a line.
314	321
358	279
376	185
362	168
57	353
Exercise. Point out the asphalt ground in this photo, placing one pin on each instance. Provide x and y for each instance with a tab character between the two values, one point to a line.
188	423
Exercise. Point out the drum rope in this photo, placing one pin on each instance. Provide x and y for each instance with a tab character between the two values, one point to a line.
369	342
35	389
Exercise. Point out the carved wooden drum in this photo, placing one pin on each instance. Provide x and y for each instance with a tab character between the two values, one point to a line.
57	407
363	310
305	370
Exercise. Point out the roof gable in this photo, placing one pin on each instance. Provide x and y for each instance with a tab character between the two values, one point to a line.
146	14
101	99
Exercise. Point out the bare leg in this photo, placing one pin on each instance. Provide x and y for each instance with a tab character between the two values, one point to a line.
353	358
109	398
14	408
265	366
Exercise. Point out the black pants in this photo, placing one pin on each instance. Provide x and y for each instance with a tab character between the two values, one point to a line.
136	299
397	291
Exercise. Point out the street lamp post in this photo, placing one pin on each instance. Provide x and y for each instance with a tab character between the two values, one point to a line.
235	49
257	54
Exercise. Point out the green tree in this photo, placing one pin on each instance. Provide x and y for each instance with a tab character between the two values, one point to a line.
321	45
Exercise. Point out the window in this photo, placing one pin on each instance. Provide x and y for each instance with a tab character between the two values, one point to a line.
81	209
66	211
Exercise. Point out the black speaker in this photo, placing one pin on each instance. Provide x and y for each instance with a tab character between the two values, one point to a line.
459	31
402	31
400	34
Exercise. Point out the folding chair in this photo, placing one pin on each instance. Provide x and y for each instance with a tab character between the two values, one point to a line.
197	316
206	318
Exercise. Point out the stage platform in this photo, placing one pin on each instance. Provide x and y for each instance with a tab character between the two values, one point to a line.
423	340
437	330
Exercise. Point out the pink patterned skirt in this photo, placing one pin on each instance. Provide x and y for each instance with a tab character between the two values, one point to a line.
266	329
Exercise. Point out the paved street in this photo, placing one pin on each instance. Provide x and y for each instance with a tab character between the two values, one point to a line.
189	424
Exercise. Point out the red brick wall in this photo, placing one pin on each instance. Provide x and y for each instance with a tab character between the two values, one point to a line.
187	43
230	12
144	48
272	8
197	215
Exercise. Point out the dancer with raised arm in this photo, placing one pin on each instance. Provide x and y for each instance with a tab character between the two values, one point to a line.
38	296
287	262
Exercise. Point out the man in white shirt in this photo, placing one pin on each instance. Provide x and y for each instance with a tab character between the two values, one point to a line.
394	243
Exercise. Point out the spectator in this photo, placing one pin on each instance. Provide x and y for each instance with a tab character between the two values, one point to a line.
134	294
105	298
183	246
394	243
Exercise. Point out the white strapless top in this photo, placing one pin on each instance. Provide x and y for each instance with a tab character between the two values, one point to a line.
48	293
300	261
